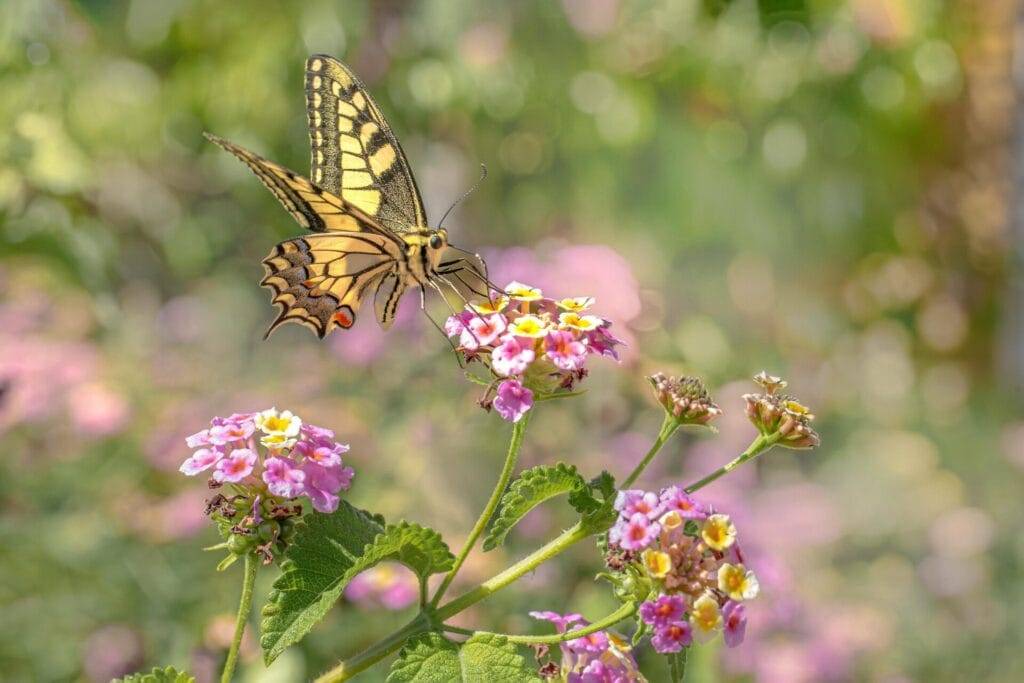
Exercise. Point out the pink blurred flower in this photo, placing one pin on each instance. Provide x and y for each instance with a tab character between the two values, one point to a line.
512	400
388	585
97	410
561	622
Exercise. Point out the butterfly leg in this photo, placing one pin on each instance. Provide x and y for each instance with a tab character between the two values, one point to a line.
423	307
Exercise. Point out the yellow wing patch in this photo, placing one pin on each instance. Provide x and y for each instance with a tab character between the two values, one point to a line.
355	155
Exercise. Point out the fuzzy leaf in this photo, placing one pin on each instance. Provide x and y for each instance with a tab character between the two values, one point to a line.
595	502
431	658
530	489
329	551
157	675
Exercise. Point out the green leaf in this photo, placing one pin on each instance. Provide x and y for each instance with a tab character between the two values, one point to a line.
596	502
530	489
157	675
329	551
431	658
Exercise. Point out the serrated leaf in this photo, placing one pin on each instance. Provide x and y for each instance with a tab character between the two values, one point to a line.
431	658
328	551
530	489
157	675
596	503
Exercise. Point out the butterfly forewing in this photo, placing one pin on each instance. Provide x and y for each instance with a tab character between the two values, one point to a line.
355	155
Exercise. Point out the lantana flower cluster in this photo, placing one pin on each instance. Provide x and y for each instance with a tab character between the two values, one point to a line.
531	344
599	657
774	412
688	556
265	461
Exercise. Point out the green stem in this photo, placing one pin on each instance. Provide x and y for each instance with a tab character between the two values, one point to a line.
518	429
677	665
244	607
376	652
761	444
668	428
624	612
572	535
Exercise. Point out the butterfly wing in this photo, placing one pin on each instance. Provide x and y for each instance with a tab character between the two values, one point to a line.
355	155
320	280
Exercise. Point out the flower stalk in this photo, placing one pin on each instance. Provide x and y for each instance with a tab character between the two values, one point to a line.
244	607
514	446
762	443
668	428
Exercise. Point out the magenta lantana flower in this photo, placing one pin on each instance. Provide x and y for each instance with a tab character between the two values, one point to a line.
236	466
284	477
734	623
201	460
564	350
672	637
602	342
675	498
512	356
561	622
636	533
512	400
634	501
665	610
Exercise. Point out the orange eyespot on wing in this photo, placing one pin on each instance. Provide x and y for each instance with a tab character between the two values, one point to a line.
345	317
320	281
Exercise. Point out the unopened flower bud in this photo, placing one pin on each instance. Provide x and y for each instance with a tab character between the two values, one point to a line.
778	413
685	398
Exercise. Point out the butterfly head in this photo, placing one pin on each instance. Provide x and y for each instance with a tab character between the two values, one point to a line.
438	240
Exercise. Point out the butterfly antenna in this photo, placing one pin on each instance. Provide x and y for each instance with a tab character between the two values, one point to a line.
465	195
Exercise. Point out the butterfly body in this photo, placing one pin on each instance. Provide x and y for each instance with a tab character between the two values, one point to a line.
362	206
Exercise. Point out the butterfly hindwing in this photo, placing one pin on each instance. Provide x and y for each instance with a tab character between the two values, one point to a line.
320	280
355	155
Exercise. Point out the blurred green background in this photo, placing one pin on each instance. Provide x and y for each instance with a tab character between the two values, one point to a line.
821	188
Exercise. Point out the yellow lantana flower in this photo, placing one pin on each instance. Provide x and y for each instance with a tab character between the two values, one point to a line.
583	323
521	292
718	532
576	304
657	563
705	617
738	582
529	326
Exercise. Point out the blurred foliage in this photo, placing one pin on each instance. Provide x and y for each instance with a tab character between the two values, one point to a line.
815	187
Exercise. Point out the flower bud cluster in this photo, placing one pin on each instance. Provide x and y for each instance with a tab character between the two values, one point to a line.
261	463
688	556
530	344
772	412
685	398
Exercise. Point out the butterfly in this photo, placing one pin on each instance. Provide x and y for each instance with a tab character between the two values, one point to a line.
369	230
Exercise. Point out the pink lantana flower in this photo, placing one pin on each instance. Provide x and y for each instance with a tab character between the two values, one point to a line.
512	400
636	533
284	477
672	637
734	623
665	610
675	498
455	324
198	439
590	643
324	483
482	330
633	501
320	447
238	427
201	460
236	466
561	622
564	350
513	355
